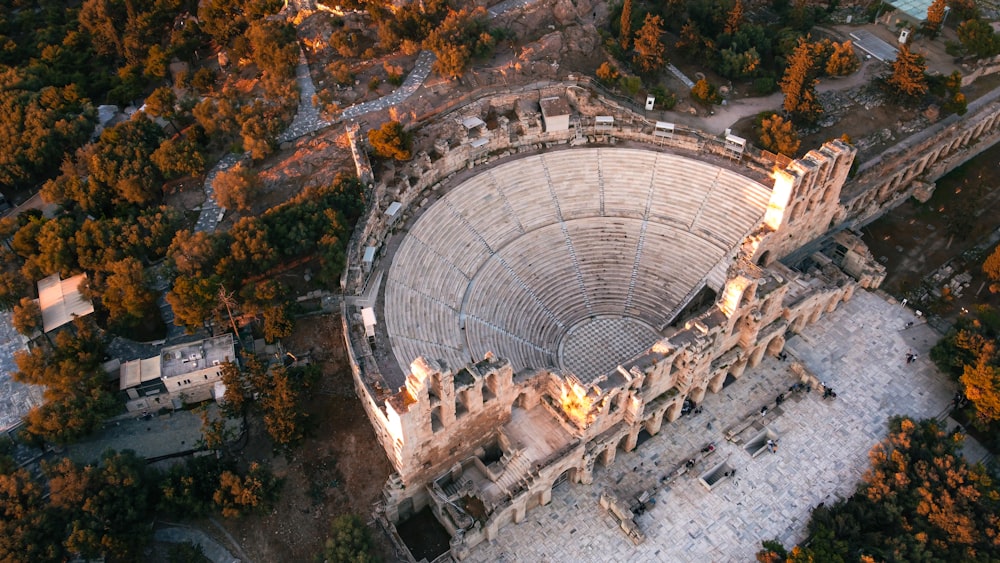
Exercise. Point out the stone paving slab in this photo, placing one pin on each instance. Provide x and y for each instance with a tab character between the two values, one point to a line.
859	350
16	399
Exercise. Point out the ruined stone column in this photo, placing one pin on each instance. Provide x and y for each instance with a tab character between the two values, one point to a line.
674	411
655	422
716	384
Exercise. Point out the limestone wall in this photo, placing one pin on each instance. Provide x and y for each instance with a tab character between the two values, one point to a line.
888	179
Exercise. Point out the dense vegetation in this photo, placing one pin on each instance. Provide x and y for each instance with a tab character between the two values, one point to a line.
920	501
970	355
106	509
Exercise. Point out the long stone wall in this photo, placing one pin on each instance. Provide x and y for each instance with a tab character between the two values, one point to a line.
887	180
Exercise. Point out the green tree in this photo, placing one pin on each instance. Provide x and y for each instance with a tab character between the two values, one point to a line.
254	492
27	318
920	501
978	38
649	49
391	141
734	20
193	300
106	505
283	418
705	92
76	400
981	383
179	157
908	79
842	60
607	73
778	135
125	295
162	102
799	84
237	187
349	542
186	490
935	17
991	267
30	530
625	34
460	38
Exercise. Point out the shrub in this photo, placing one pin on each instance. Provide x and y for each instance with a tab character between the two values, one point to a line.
705	92
765	85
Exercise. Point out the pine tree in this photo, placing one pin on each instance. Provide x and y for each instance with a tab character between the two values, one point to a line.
908	79
735	18
935	17
779	135
799	84
626	25
649	50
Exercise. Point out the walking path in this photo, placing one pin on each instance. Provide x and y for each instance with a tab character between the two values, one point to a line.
213	550
859	350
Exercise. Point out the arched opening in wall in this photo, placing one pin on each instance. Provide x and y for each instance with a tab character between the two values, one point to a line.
623	443
490	391
564	477
436	424
522	401
461	406
643	436
765	259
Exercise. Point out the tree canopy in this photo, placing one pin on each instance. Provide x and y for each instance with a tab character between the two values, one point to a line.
920	501
799	84
390	140
76	400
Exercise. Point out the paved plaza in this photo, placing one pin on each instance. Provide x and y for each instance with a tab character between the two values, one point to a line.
16	399
859	350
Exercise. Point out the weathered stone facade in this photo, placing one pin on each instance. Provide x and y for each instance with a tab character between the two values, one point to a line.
482	444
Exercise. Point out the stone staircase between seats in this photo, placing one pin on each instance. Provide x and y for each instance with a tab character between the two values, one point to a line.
514	473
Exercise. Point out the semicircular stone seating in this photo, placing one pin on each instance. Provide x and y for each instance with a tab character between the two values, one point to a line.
570	260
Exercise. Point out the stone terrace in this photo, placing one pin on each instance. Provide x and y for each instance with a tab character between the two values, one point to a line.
859	350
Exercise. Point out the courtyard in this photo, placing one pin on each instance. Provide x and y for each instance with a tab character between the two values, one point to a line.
822	450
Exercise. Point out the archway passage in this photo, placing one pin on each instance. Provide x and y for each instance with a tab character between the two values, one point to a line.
572	259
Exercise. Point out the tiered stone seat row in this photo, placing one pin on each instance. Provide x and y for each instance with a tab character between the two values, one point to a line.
510	304
606	250
435	276
486	337
574	176
506	230
407	349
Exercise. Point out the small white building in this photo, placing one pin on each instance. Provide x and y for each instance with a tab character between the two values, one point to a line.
555	113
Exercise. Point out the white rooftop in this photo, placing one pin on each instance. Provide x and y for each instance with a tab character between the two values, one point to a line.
193	356
137	371
472	122
61	301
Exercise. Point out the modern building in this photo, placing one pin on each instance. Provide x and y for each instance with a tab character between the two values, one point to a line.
182	374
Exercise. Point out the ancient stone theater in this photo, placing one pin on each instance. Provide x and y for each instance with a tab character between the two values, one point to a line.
561	275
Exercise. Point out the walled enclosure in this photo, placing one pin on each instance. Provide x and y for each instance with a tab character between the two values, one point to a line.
505	435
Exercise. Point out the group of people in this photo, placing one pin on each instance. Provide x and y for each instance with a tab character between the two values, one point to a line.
772	446
910	357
